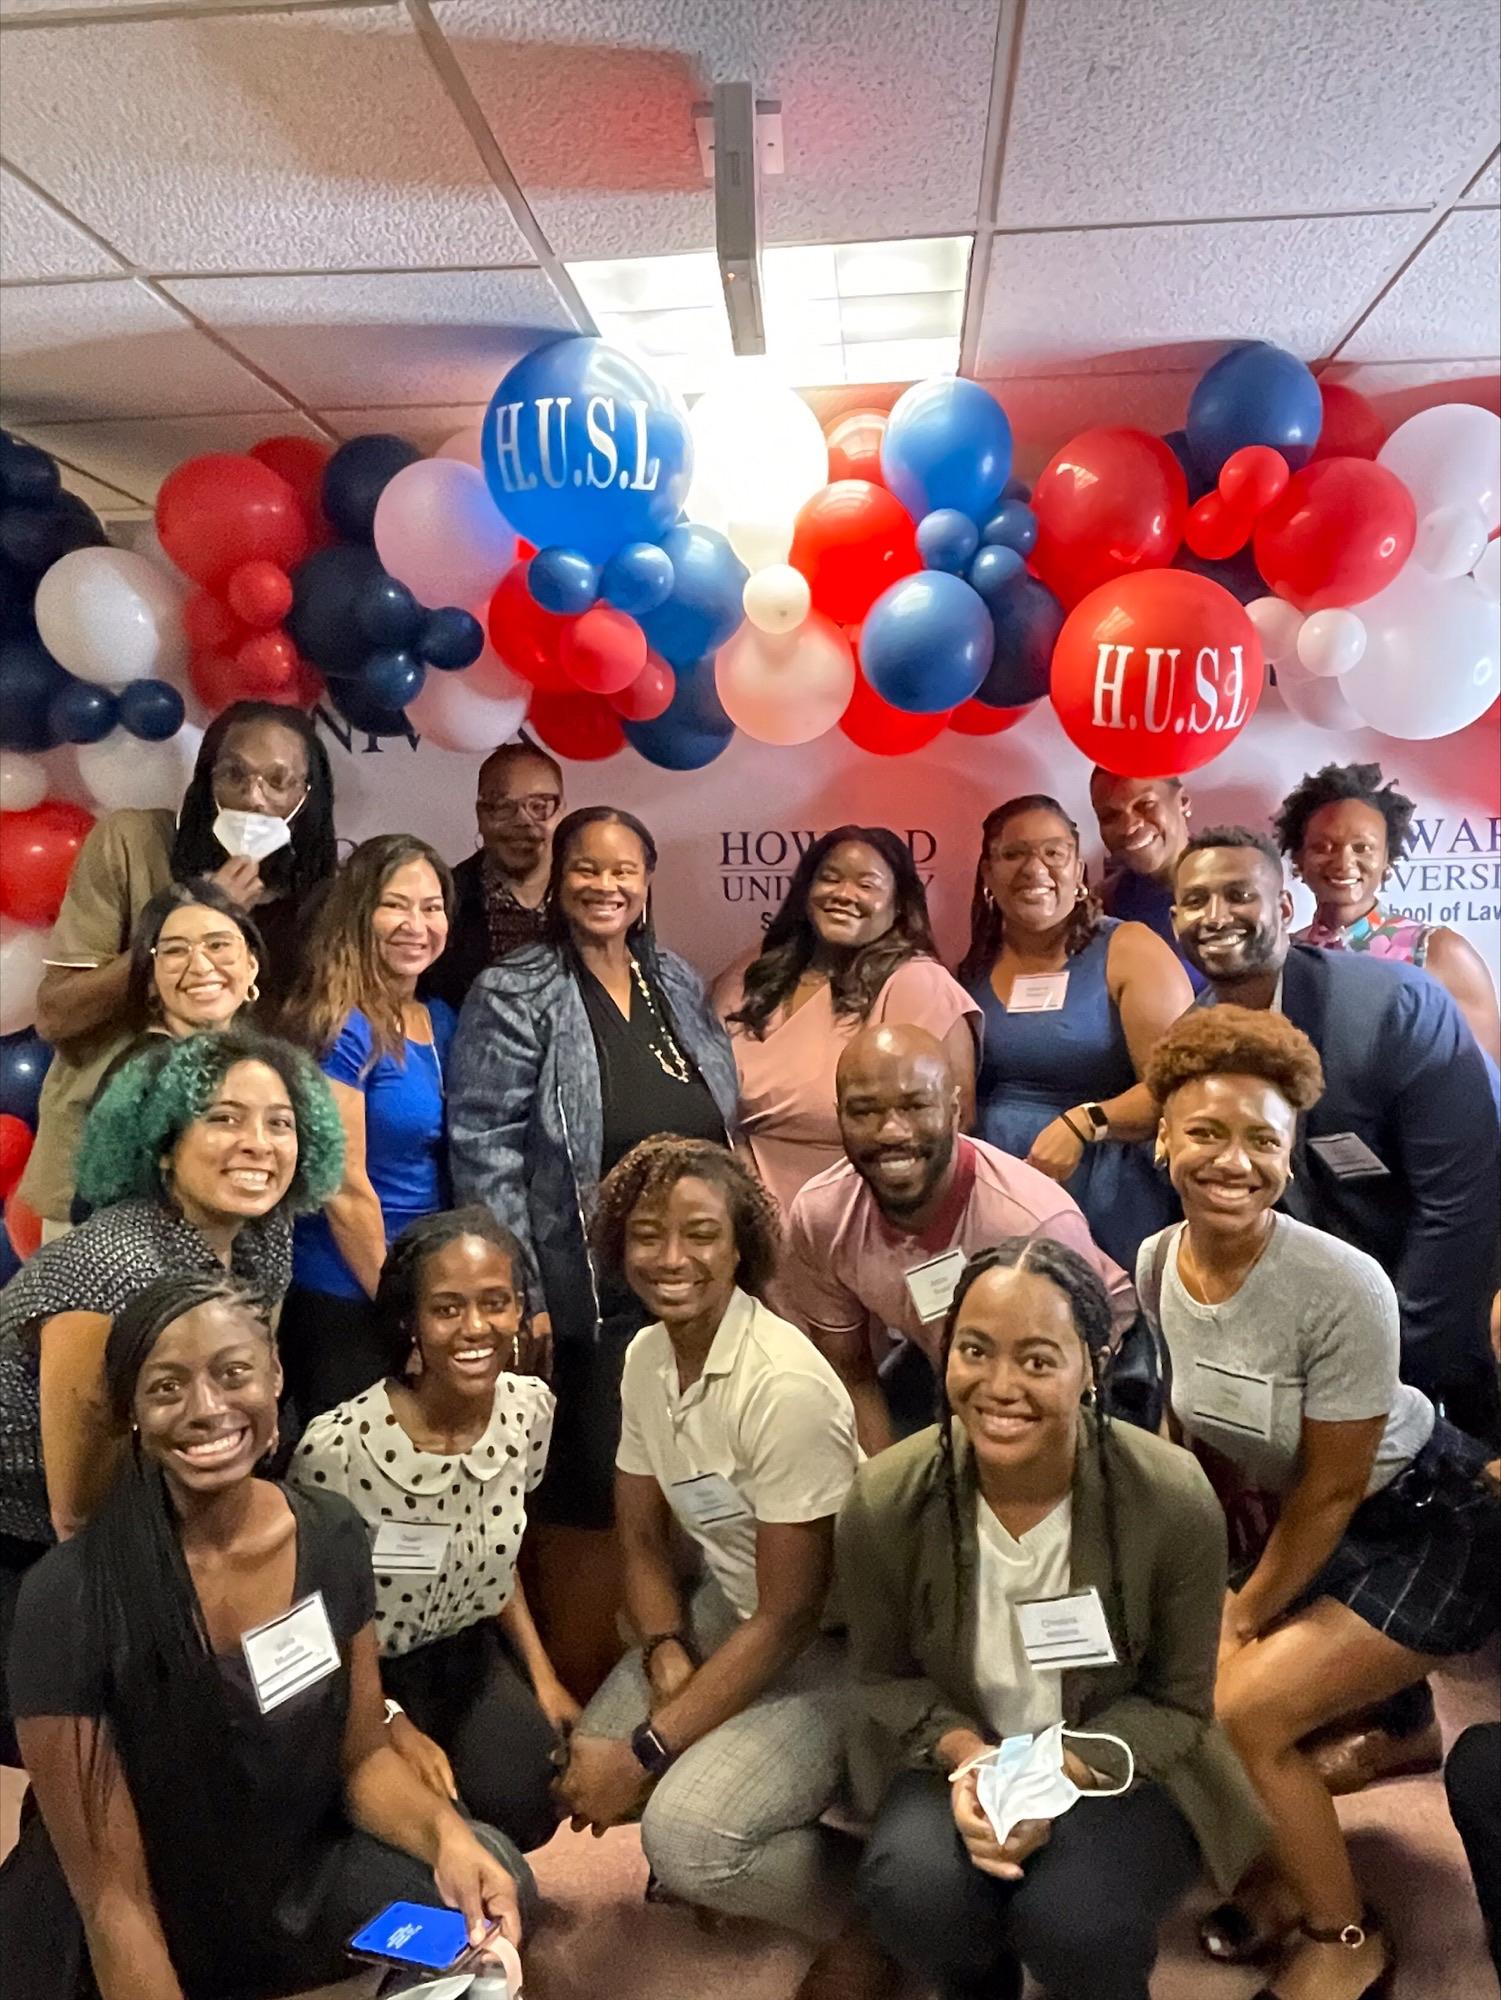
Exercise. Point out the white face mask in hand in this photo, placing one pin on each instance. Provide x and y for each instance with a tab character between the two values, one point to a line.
252	835
1024	1778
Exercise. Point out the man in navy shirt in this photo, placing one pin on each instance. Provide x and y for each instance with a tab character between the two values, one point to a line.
1144	825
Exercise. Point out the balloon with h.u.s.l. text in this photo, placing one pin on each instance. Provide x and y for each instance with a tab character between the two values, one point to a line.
583	450
1156	671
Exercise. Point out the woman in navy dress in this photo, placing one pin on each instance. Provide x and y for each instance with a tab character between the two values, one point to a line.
1073	1004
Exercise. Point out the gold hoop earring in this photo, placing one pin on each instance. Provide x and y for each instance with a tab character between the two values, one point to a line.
252	994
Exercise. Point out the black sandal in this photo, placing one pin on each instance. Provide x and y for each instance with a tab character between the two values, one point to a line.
1352	1936
1231	1936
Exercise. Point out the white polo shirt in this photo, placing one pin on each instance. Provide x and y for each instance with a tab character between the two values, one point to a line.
766	1433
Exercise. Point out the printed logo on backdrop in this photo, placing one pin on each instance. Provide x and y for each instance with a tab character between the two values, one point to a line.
756	864
1451	872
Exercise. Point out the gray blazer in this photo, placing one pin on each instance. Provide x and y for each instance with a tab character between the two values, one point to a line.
526	1121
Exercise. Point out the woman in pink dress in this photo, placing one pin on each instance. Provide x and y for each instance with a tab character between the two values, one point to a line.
1342	829
852	945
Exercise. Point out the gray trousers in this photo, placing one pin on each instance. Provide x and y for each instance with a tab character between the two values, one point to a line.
733	1825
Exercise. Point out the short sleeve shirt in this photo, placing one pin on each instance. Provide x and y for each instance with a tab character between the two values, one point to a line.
360	1450
768	1416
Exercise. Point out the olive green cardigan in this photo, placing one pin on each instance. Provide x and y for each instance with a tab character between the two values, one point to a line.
909	1599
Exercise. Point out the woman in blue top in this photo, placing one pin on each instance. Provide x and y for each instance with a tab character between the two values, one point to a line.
1073	1005
384	1052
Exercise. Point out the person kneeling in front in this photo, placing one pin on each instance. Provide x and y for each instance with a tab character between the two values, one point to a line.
722	1731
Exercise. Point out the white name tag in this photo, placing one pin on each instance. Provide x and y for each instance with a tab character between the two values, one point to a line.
1065	1631
1037	993
290	1653
707	1501
930	1286
1348	1157
409	1547
1236	1400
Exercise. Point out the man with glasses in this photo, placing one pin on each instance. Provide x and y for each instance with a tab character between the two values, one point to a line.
500	894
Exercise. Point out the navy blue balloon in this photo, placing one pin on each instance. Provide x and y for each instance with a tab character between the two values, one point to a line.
10	1263
82	712
1255	394
637	578
947	444
392	679
327	590
1027	620
946	539
450	638
1238	573
1016	489
17	589
1013	525
29	679
584	450
706	603
388	613
34	538
357	475
1198	485
562	580
28	476
152	710
994	570
926	643
356	704
24	1061
692	730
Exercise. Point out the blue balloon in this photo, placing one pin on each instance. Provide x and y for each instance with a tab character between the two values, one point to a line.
705	606
28	475
692	730
1255	394
357	475
450	638
24	1061
562	580
1012	526
34	538
947	444
1016	489
946	539
10	1263
356	704
584	450
994	570
29	679
387	612
1198	485
393	679
926	643
152	710
82	712
1238	573
637	578
1027	620
327	591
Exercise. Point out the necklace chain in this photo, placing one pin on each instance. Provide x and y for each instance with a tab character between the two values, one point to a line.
669	1057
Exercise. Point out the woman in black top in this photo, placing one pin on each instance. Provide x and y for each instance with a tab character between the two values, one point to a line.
219	1810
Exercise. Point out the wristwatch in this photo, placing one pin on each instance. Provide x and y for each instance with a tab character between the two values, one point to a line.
1099	1122
649	1751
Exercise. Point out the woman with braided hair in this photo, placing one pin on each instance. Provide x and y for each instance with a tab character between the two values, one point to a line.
1022	1492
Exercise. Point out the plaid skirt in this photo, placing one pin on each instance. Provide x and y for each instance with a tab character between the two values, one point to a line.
1420	1559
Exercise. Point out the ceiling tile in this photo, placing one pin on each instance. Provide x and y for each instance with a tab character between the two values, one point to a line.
877	144
106	501
272	142
36	243
1170	297
1486	193
412	337
1445	304
113	350
138	456
1161	109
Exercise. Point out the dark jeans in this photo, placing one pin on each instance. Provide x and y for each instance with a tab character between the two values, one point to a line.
330	1351
1083	1920
1472	1778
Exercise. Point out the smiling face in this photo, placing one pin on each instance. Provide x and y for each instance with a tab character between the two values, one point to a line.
1034	870
518	803
202	969
1016	1370
410	923
205	1399
1229	1142
1143	821
852	897
236	1160
1231	913
468	1315
604	883
681	1255
898	1116
261	767
1344	858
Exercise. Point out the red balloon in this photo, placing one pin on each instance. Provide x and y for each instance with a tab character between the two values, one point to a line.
1340	533
260	594
1351	427
216	679
604	650
528	639
309	686
267	664
978	718
22	1225
874	725
1112	501
211	626
1156	672
1214	528
649	694
581	726
855	445
850	541
300	462
224	509
16	1141
37	851
1252	478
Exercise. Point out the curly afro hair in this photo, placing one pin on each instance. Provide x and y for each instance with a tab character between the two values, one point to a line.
650	1171
1236	1041
1331	785
151	1102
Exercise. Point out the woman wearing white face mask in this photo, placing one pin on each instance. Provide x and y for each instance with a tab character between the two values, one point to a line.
947	1548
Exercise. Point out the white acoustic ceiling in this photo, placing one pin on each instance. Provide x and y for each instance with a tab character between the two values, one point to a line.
220	219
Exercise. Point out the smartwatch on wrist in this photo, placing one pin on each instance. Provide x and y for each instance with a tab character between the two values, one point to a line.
649	1751
1099	1122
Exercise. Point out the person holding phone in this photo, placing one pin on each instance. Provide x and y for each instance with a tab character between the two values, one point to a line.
197	1693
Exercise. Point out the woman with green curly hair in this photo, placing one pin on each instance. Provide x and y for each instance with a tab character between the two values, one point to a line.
195	1158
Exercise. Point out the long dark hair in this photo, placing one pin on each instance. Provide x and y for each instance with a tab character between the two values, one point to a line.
400	1275
201	893
1089	1305
313	856
987	927
788	947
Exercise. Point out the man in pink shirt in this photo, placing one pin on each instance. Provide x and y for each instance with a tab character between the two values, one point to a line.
875	1244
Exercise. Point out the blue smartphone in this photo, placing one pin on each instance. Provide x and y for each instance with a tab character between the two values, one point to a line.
413	1934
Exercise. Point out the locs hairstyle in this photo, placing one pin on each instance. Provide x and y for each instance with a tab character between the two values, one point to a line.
313	855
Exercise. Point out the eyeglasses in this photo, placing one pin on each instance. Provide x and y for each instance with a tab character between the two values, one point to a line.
538	807
177	953
1056	855
232	775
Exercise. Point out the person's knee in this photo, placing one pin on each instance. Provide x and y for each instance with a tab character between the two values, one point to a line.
1255	1715
1472	1780
515	1796
690	1854
1064	1942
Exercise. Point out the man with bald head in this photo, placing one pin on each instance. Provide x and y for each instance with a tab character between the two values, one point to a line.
876	1243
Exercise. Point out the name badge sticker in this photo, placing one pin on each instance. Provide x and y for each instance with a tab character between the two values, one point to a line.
1069	1631
410	1547
1232	1398
1037	993
930	1286
707	1501
290	1653
1348	1157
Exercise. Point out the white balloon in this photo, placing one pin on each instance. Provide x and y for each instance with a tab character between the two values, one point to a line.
1330	643
1278	624
122	771
111	616
1449	456
1487	571
23	952
1433	656
23	782
758	454
789	688
761	544
1322	703
1451	540
777	599
455	716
